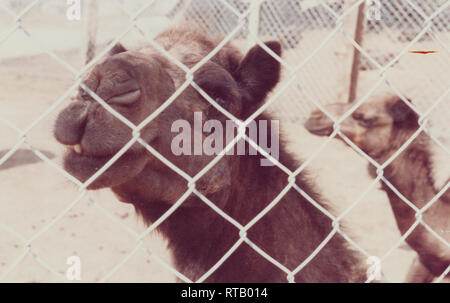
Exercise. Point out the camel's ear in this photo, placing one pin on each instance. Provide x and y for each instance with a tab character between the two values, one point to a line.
403	115
258	72
117	49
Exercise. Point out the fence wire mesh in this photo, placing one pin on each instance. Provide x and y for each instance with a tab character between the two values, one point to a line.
313	34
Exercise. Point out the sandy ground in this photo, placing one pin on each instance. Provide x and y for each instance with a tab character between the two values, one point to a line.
100	230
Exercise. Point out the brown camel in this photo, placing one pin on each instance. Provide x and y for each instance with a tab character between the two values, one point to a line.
135	84
380	127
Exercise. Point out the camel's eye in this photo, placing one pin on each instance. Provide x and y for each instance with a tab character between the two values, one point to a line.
363	121
122	91
367	122
126	98
220	101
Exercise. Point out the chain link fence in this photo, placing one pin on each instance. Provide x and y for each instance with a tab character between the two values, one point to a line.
317	71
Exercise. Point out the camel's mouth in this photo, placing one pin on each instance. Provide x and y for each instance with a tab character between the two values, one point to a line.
83	167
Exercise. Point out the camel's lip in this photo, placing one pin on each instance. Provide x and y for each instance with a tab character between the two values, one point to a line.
75	153
82	153
83	166
79	152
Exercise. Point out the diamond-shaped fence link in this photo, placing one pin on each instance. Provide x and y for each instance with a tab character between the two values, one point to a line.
305	29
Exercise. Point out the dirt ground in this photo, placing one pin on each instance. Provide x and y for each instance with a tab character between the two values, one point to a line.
100	230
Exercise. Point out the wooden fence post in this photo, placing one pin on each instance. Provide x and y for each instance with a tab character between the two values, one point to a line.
354	24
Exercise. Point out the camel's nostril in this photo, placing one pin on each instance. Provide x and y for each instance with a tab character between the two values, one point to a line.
316	114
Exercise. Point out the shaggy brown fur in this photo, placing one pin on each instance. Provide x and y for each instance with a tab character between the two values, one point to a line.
137	83
380	128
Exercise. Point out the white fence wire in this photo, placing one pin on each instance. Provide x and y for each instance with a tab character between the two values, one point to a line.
289	21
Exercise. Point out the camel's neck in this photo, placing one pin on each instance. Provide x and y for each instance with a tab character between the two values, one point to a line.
199	237
410	174
198	233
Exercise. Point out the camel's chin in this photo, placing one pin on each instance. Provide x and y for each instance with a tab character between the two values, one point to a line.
83	167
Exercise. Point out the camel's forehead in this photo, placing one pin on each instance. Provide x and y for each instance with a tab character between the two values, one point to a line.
372	108
378	103
189	48
186	47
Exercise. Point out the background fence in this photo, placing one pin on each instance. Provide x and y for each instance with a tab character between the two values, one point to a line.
324	54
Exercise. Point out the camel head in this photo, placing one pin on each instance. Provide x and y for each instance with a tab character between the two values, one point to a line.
135	84
372	126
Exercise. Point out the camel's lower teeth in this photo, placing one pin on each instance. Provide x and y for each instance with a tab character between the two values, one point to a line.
77	148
